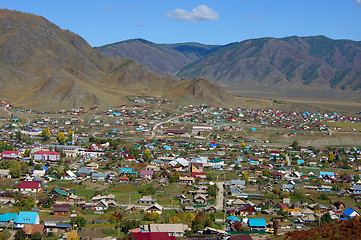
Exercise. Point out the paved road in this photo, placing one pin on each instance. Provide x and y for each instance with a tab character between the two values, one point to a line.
167	121
220	196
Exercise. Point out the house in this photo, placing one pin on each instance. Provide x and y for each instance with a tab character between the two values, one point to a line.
101	205
96	176
210	209
257	223
236	192
246	210
6	218
186	179
46	156
26	218
153	168
147	200
238	203
5	173
123	179
175	229
339	205
152	236
350	213
30	229
200	175
324	188
58	193
154	208
200	199
236	183
10	154
84	170
146	174
61	209
29	186
107	198
127	171
56	227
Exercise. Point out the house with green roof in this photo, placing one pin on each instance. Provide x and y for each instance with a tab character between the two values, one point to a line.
57	192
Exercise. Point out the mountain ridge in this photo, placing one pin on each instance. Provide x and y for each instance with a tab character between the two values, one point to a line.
46	67
290	62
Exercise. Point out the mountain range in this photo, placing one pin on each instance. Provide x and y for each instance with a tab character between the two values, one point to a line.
45	67
302	63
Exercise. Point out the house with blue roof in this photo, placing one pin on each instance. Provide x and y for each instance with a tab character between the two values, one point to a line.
350	213
257	223
26	218
84	170
127	171
97	176
324	174
6	218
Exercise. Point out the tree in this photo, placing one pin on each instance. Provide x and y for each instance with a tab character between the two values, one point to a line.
266	172
20	235
331	156
294	145
70	136
27	153
297	167
25	203
326	218
245	176
79	221
45	134
61	138
15	170
18	136
36	236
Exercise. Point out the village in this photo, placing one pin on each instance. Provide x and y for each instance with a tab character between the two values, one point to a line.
155	170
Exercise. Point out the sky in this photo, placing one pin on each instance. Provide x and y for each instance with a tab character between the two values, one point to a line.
103	22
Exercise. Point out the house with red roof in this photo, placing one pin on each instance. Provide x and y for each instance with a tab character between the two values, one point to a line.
46	155
152	236
29	186
10	154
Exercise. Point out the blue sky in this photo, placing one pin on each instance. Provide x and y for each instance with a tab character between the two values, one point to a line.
209	21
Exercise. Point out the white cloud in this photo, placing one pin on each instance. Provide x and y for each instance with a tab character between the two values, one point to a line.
358	2
200	13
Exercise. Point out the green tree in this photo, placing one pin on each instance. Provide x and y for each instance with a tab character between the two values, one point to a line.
294	145
79	221
36	236
45	135
27	153
61	138
70	136
15	170
18	136
266	172
326	218
245	177
20	235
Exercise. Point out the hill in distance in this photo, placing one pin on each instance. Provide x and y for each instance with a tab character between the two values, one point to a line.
45	67
164	59
302	66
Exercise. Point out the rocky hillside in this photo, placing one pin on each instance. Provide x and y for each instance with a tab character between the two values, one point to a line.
45	67
165	59
305	62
